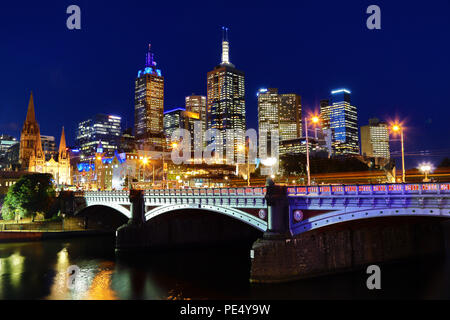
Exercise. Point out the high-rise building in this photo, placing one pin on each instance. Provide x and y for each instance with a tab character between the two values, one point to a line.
226	99
180	118
149	106
280	112
6	143
290	114
197	104
375	139
48	146
102	127
343	122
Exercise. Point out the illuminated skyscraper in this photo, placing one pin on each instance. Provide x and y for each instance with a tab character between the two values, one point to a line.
290	115
101	128
197	104
226	98
149	106
375	139
343	119
280	112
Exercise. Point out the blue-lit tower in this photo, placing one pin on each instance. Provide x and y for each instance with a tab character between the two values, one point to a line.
343	122
149	106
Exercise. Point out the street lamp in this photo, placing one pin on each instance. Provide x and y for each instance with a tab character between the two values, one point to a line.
270	162
398	128
314	120
426	168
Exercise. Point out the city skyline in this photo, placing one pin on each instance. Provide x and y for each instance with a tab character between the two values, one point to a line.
385	100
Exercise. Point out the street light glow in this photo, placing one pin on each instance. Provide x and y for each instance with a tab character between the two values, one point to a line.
315	119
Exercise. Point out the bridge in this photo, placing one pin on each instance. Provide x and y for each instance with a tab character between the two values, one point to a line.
306	230
306	208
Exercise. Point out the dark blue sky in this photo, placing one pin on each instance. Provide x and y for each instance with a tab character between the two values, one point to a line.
306	47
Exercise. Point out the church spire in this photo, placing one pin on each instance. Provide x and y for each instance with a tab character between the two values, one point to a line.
62	143
30	113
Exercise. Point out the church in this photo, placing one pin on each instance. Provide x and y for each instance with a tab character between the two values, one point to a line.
31	154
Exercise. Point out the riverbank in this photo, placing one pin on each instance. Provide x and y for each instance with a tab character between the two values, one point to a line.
29	235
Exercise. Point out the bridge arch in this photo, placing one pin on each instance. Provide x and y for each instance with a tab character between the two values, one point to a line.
114	206
242	216
345	215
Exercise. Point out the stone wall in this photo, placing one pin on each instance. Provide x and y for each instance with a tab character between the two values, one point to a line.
345	247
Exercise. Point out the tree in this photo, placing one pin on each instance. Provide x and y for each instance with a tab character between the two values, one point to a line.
445	163
31	194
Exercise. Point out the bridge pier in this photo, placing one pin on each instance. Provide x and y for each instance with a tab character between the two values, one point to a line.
129	236
279	256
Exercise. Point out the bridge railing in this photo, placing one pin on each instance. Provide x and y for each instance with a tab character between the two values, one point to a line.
210	192
371	189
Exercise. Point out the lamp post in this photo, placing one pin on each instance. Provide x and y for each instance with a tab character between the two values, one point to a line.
398	128
314	119
426	168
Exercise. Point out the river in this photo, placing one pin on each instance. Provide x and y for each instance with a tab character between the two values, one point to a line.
38	270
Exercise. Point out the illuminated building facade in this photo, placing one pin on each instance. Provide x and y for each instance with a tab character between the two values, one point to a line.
343	122
101	128
48	146
149	106
32	156
280	112
6	144
180	118
375	139
197	104
226	99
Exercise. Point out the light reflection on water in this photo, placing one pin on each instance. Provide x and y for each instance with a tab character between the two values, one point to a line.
38	270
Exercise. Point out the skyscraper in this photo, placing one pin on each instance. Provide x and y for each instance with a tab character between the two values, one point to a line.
290	115
102	127
197	104
280	112
375	139
226	98
343	119
149	106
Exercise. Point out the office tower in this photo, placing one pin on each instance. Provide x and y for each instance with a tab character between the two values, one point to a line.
102	127
6	143
180	118
48	146
343	123
290	116
279	112
226	99
375	139
325	113
149	106
197	104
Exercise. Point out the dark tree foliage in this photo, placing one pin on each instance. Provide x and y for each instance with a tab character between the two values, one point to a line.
445	163
31	194
293	164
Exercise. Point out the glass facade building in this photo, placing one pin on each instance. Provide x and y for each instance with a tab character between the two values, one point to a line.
342	118
101	128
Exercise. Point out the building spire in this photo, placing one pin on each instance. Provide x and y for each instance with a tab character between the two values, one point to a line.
62	143
225	46
30	113
149	62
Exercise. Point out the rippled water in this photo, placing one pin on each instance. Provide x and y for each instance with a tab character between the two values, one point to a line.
38	270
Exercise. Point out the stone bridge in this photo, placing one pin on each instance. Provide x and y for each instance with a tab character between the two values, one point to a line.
307	230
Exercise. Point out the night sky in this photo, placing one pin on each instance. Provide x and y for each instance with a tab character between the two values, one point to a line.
306	47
